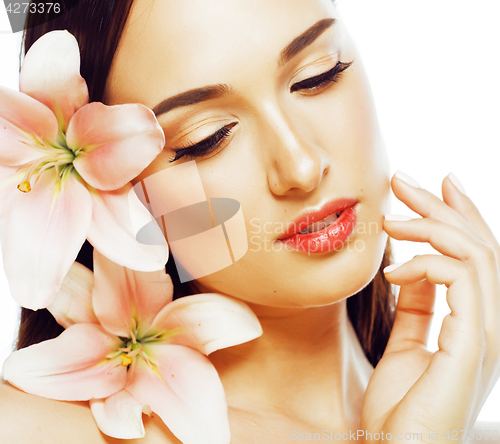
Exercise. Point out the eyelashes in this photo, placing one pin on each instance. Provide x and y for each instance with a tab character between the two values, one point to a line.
206	146
315	83
212	143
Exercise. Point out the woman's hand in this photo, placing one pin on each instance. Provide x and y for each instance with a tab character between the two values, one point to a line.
413	391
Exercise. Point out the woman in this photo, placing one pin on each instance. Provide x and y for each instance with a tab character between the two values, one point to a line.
293	131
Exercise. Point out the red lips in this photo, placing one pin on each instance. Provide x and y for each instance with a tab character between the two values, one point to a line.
330	237
310	216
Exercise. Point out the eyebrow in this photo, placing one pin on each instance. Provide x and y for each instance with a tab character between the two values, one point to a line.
198	95
191	97
304	40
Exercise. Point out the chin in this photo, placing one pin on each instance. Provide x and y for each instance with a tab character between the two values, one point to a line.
346	274
296	280
291	279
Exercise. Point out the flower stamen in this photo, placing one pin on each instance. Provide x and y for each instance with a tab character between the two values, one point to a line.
59	156
126	360
24	186
133	331
134	352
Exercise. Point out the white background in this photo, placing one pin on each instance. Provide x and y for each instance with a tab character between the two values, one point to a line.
434	66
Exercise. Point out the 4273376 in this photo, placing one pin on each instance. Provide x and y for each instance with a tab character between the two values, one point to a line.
33	8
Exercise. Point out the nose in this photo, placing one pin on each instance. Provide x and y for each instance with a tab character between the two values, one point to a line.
295	162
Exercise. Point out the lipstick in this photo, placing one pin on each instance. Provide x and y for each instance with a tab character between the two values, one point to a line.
328	238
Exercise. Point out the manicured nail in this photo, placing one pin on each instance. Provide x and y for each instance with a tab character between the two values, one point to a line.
392	267
397	217
457	183
407	179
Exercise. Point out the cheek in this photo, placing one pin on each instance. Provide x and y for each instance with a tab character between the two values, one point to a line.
354	140
354	128
237	173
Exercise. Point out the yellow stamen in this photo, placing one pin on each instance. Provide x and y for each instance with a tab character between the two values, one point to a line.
58	157
126	360
24	186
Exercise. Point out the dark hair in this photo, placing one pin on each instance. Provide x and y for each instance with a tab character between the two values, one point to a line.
98	25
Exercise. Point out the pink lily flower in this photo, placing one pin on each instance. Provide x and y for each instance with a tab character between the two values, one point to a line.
129	349
65	171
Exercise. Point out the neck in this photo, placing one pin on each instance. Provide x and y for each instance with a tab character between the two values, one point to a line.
308	364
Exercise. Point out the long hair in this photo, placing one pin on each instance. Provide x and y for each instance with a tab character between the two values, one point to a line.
98	26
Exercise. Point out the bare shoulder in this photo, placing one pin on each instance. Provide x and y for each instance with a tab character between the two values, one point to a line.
27	419
30	419
483	431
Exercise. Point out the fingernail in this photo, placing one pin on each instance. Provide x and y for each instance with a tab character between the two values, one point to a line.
457	183
407	179
397	217
392	267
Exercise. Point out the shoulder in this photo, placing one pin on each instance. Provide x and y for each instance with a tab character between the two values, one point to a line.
483	431
27	419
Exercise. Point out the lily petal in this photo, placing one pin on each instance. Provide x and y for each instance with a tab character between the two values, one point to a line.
185	391
51	75
71	367
116	143
111	231
9	179
41	233
121	294
208	322
119	416
6	172
73	302
22	121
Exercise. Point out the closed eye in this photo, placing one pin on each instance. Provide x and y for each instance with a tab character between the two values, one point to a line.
317	82
206	146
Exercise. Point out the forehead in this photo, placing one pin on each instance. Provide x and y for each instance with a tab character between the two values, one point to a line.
170	46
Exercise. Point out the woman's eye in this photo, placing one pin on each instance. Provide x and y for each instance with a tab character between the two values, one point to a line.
206	146
210	144
314	83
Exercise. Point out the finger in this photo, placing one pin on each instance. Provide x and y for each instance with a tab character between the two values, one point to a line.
455	197
414	312
464	206
445	238
454	242
427	204
462	331
452	377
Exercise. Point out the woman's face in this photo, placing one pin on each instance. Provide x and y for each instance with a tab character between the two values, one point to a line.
292	144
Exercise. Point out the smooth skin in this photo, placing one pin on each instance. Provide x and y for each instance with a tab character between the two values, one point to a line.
290	151
444	390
